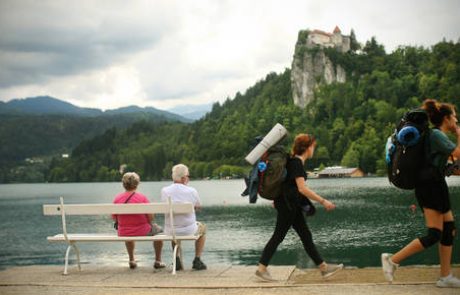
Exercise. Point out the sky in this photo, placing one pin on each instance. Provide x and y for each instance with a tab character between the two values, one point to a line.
166	54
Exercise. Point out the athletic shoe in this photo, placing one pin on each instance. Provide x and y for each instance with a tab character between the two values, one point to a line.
448	282
265	276
198	264
159	265
388	266
178	264
331	269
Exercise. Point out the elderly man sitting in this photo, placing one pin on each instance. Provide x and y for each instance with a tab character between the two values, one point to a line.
185	224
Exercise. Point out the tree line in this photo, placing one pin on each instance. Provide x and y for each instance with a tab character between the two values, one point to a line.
351	120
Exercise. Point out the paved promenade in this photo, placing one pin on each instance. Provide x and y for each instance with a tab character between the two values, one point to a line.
238	280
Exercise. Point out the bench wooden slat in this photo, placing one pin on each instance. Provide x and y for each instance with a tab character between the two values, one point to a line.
115	238
98	209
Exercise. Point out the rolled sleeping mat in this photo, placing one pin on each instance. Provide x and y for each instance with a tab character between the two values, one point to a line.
273	137
408	136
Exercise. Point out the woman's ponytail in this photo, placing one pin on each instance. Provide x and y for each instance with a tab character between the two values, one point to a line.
437	111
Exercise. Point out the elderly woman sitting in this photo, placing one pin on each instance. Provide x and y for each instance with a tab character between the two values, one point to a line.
136	224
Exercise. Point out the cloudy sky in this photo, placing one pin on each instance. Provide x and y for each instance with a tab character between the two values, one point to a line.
109	54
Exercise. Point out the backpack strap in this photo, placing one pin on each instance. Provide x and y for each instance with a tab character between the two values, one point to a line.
261	174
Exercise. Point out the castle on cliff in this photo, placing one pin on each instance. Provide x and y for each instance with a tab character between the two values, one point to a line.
311	68
334	39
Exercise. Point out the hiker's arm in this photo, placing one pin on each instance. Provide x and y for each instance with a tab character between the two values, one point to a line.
456	152
150	217
308	193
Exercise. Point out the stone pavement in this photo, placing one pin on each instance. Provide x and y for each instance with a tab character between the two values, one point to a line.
231	279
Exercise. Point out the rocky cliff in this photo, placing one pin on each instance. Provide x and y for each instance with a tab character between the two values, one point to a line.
311	67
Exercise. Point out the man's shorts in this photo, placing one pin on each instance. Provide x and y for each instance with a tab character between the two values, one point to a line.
201	231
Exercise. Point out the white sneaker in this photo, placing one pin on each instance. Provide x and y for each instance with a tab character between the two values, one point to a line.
265	276
331	270
448	282
388	266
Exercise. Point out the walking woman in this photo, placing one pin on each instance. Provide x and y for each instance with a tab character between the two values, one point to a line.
433	197
289	211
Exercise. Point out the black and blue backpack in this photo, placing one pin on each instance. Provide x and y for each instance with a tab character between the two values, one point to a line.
406	150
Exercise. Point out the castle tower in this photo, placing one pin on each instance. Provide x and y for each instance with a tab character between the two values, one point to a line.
336	37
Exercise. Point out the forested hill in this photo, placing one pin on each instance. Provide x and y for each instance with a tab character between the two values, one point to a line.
33	130
350	120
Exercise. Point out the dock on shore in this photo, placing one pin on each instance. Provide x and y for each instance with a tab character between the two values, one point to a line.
231	279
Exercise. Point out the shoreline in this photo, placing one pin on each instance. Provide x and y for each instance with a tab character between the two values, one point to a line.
231	279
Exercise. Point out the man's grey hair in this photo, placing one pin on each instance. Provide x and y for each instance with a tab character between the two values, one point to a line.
131	180
179	171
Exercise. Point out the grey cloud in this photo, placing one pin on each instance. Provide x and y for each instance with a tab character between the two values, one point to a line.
40	42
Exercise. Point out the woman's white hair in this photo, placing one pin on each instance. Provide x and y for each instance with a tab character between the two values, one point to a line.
131	180
179	171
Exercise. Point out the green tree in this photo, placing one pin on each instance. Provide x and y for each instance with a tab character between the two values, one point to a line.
351	157
354	44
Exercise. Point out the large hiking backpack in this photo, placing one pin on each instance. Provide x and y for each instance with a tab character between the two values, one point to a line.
406	155
272	172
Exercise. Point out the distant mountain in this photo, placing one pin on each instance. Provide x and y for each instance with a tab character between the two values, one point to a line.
35	130
147	110
46	105
192	112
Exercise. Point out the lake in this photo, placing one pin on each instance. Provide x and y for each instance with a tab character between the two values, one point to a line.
371	217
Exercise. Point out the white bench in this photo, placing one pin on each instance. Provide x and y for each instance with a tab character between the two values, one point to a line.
107	209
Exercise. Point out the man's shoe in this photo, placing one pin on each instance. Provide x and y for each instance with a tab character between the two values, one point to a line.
178	264
448	282
198	264
388	267
265	276
159	265
331	270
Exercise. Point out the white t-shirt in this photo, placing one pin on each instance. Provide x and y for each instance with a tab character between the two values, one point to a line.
184	224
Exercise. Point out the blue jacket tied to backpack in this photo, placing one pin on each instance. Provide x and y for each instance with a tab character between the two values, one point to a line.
252	185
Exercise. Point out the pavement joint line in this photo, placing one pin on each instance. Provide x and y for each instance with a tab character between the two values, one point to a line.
292	272
223	271
107	277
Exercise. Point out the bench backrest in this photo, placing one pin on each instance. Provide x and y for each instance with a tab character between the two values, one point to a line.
110	208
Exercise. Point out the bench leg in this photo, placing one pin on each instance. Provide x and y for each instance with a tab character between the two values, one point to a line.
174	258
67	252
78	256
66	262
177	252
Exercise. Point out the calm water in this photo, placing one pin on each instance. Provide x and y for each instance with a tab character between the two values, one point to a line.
371	218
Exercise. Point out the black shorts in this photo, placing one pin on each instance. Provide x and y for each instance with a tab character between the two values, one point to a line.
433	195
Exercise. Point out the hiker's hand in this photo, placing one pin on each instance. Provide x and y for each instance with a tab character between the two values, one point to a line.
328	205
457	131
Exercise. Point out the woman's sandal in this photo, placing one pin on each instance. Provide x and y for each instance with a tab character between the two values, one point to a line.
158	265
132	264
